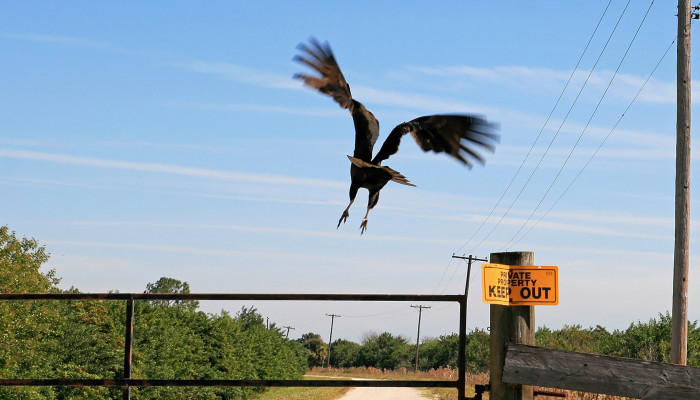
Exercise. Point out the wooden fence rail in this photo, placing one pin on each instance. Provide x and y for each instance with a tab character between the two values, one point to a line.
530	365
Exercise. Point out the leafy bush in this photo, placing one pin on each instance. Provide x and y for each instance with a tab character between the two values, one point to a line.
85	339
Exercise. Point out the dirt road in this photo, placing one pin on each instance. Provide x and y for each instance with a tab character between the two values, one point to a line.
382	393
388	393
377	393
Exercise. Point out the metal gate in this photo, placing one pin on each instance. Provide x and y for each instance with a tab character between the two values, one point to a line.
127	382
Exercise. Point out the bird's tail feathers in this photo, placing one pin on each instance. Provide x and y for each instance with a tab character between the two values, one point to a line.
395	175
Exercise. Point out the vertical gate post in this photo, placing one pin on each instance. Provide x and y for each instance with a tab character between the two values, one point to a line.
128	346
510	324
461	361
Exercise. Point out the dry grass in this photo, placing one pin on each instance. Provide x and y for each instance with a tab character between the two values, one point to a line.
303	393
440	374
571	395
450	374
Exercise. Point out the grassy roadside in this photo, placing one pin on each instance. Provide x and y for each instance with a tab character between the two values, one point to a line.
303	393
404	374
297	393
331	393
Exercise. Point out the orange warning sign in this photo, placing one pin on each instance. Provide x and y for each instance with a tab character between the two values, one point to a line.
515	285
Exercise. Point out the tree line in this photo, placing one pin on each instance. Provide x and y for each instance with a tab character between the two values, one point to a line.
648	341
85	339
173	340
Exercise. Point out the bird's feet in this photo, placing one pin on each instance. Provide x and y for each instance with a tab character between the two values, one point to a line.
363	226
343	218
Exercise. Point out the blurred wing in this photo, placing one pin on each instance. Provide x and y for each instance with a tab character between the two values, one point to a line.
456	135
331	82
319	57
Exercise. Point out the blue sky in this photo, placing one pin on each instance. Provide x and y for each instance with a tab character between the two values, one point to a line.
155	139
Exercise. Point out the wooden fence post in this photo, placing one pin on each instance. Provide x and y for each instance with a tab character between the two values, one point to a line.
510	324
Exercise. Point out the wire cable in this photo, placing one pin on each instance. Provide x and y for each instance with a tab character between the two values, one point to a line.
585	128
527	156
560	127
517	172
599	146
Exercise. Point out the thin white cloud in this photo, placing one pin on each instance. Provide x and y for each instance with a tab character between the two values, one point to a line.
316	112
239	73
64	41
546	80
205	173
180	249
239	228
413	101
571	227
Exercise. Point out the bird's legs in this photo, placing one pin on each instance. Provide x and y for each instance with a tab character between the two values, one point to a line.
363	226
372	201
345	215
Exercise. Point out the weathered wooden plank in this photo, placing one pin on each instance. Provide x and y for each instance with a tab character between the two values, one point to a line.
530	365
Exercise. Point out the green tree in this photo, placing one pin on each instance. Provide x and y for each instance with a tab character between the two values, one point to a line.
275	358
84	339
345	353
171	285
693	344
385	351
442	352
646	341
26	327
478	351
439	352
573	338
88	345
318	351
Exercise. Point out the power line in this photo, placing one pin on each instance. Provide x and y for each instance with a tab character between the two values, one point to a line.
560	127
573	72
599	146
527	156
585	128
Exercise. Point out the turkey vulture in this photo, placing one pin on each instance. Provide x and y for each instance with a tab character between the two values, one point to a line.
455	135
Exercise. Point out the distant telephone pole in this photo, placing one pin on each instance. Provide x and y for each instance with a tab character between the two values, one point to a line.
470	260
420	312
288	328
330	340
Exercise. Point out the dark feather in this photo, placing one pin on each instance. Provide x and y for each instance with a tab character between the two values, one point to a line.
455	135
331	82
393	175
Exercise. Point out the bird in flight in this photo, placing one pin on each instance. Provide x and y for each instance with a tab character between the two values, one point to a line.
455	135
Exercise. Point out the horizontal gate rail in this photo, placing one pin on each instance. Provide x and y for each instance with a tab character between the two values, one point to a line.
128	382
230	296
224	382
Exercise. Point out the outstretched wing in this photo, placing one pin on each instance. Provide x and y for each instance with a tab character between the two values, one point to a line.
456	135
319	57
331	82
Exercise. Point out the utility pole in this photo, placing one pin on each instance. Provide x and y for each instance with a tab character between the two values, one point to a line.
420	312
330	340
288	328
679	330
461	351
470	259
509	324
